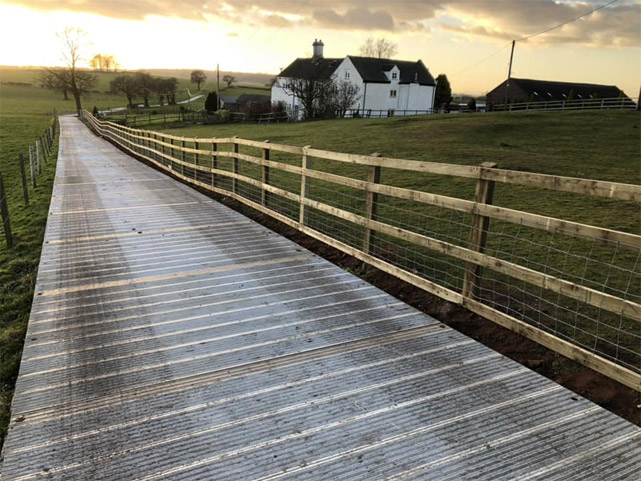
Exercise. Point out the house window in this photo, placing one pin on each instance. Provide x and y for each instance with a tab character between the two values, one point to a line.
347	74
394	75
392	94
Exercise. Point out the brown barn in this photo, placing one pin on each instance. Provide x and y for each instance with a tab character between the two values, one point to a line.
528	90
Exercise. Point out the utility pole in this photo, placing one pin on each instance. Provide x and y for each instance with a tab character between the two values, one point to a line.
217	86
509	75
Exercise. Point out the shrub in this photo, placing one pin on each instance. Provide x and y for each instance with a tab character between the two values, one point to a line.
471	104
223	115
211	103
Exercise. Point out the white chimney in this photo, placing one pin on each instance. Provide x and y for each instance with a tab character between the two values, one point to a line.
318	48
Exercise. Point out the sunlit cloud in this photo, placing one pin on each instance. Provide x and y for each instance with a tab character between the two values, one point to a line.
617	25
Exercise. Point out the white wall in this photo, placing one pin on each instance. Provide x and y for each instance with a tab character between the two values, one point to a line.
408	97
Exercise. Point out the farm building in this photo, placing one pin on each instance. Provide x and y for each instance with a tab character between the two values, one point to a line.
529	90
228	102
389	85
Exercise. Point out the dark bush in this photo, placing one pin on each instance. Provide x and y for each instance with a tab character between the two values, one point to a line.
211	103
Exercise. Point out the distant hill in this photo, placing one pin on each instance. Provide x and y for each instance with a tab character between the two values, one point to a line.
257	79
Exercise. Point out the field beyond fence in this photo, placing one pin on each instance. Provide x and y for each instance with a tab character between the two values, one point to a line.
574	288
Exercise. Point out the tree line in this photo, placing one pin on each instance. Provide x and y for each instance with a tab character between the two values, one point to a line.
144	86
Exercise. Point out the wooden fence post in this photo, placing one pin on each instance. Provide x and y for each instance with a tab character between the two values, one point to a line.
4	214
196	158
234	183
38	154
478	233
183	156
264	198
23	174
32	167
45	148
214	162
304	185
371	204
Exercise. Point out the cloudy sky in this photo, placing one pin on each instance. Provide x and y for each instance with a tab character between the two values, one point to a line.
466	39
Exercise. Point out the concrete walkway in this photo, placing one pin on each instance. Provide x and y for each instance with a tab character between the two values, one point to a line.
172	338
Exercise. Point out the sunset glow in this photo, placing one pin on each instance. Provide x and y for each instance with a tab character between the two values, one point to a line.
455	38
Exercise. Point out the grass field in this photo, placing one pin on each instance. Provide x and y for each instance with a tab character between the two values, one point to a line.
599	145
28	89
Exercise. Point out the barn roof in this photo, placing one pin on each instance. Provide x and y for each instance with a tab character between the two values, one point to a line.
550	90
244	98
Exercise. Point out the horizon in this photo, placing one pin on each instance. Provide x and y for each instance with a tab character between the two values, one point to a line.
467	40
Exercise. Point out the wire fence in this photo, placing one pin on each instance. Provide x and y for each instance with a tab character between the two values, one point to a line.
30	167
573	287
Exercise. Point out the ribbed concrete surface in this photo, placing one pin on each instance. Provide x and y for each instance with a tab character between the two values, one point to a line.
171	338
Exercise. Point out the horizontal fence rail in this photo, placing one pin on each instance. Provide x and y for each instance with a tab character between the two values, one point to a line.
575	104
572	287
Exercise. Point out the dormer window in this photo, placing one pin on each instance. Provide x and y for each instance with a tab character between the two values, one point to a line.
347	74
394	75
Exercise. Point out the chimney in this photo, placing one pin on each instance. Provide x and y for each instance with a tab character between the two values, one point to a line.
318	49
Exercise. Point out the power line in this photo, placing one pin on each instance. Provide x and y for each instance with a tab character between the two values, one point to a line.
481	61
566	22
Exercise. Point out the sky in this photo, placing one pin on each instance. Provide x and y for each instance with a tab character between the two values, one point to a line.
468	40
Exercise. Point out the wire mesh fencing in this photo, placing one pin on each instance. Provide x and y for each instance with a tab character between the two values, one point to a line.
569	285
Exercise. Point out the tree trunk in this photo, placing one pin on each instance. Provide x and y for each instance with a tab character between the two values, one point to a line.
76	96
64	92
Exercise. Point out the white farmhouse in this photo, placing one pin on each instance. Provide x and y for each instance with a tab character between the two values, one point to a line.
386	87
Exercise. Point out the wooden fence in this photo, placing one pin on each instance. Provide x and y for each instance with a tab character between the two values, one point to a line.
617	103
199	161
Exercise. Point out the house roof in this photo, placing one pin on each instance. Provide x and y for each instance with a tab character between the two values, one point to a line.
370	69
316	67
373	70
228	99
549	90
244	98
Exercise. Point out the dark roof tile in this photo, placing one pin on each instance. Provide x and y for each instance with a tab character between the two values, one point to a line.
311	68
373	70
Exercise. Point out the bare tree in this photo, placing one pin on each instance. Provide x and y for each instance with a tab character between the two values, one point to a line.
230	79
128	85
96	62
378	48
198	77
313	94
167	87
54	79
346	95
146	86
79	82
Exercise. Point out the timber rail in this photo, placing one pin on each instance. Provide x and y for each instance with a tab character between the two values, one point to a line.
214	164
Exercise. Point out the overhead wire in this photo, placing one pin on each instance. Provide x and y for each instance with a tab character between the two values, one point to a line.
600	7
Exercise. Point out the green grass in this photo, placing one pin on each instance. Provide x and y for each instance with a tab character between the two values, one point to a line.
600	145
